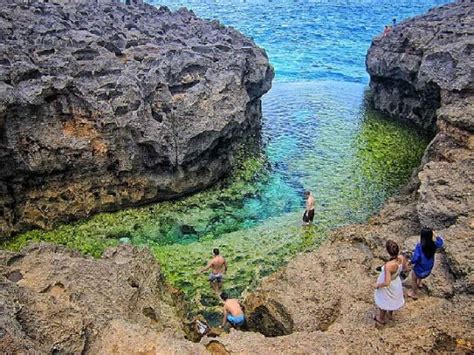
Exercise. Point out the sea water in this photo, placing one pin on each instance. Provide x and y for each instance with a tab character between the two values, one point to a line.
318	134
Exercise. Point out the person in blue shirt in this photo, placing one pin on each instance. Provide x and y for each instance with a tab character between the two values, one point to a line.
423	259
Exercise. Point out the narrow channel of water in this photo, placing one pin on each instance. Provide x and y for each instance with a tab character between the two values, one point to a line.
316	135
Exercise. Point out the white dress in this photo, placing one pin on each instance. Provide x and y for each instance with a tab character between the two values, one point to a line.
390	298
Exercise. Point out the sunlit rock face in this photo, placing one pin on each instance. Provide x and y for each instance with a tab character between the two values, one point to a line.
105	106
423	71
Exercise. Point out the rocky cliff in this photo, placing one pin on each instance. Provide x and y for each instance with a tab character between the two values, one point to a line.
57	301
322	302
424	63
106	106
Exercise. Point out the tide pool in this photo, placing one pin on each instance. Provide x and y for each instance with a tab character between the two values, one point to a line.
317	136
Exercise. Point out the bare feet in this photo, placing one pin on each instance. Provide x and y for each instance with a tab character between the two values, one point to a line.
412	294
377	321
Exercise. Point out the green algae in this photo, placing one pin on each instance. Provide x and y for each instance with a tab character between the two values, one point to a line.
320	138
251	255
202	215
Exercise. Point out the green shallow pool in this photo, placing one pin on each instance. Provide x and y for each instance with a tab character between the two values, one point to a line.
318	136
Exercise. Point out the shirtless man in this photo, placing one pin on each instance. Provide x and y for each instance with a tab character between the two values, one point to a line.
232	311
309	211
218	268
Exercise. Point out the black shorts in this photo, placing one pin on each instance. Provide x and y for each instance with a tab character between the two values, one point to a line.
308	216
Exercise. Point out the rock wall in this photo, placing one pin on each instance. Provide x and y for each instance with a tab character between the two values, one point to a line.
106	106
424	63
57	301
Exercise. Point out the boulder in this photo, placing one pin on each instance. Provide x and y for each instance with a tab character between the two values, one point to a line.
104	106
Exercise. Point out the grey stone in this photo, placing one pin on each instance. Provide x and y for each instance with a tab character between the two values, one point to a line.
104	106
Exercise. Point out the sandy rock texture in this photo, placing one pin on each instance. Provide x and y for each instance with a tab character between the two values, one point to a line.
104	106
57	301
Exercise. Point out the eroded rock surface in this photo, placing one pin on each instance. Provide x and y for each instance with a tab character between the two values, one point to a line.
424	63
105	106
322	302
56	300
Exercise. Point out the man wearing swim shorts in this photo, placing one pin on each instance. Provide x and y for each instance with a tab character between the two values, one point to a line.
232	311
308	215
218	267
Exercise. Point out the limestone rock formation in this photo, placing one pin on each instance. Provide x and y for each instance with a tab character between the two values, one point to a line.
322	301
424	63
104	106
55	300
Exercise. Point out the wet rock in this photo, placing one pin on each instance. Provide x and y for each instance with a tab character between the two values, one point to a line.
104	106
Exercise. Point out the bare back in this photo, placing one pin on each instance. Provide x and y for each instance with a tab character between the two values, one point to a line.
217	264
233	307
310	203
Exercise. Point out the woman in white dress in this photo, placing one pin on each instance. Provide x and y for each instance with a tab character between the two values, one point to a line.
388	289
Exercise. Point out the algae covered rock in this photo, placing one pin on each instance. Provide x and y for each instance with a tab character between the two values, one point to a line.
105	106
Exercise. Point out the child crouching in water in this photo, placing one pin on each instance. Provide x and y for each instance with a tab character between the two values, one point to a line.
423	259
388	293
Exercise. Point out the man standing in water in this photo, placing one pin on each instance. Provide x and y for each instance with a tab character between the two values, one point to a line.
232	311
309	211
218	268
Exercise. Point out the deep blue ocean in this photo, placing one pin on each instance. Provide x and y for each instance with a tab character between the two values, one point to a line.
313	39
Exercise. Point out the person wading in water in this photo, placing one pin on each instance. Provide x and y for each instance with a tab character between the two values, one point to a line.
218	268
308	215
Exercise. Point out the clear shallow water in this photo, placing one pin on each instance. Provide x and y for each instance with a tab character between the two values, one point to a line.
317	134
310	39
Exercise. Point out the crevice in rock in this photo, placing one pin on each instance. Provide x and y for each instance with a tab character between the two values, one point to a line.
149	312
270	319
15	276
14	259
444	343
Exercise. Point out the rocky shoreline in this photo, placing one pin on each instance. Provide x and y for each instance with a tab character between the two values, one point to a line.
332	310
104	106
322	301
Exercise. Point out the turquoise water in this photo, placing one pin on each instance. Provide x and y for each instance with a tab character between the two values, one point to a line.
318	134
313	39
